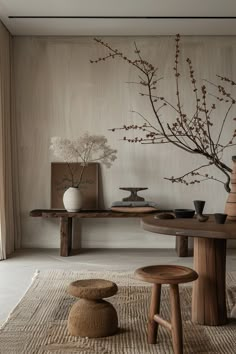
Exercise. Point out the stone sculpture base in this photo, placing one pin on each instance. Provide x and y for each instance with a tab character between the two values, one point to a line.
92	318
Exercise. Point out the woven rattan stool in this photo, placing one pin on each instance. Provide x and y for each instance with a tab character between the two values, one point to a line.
172	275
92	316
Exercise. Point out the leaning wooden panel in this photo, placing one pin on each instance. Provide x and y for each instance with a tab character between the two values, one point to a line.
61	180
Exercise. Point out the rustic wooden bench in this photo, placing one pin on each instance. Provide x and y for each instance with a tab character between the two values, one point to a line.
66	220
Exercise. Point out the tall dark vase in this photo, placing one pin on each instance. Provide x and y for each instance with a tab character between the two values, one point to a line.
230	207
199	206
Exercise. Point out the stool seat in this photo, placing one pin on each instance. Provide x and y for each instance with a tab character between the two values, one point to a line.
92	289
166	274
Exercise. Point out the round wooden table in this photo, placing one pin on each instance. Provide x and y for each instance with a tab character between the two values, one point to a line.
208	302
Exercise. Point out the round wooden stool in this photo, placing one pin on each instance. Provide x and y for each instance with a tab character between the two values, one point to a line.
91	316
172	275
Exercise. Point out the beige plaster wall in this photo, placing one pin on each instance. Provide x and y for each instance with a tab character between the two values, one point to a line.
59	93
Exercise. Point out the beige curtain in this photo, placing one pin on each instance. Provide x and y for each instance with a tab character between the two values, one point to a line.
9	218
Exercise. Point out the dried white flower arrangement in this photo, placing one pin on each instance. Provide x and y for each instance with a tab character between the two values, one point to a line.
85	149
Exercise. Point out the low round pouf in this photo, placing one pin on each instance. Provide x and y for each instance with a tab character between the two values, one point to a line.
91	316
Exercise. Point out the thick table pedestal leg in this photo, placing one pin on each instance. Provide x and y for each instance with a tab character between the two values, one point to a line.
66	236
208	303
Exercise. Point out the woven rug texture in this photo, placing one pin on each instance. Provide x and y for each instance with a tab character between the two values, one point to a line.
39	322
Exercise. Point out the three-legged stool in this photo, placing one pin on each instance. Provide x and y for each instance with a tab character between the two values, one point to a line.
173	275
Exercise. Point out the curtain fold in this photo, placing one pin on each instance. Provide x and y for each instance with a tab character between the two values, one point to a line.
9	201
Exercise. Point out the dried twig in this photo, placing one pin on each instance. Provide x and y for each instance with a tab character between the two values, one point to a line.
189	132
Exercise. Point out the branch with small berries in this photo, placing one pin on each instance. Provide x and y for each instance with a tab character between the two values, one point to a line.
190	132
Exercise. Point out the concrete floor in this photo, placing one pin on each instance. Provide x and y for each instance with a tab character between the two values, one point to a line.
17	272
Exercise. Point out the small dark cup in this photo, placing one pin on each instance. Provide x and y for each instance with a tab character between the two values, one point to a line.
220	218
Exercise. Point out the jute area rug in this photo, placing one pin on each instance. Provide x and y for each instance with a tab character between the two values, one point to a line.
39	322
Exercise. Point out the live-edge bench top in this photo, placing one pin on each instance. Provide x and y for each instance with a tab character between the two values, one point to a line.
59	213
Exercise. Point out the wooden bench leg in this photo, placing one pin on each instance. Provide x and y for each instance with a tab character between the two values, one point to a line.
66	236
154	309
176	321
181	246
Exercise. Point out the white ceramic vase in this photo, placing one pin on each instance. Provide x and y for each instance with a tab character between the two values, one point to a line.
72	199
